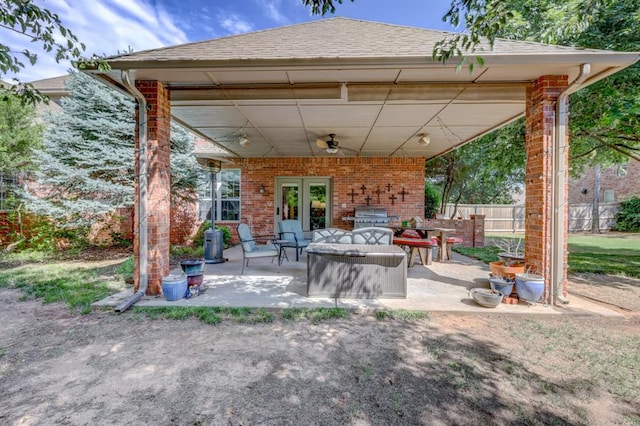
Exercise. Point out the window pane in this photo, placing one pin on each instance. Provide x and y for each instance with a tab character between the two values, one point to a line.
609	196
230	187
227	198
230	210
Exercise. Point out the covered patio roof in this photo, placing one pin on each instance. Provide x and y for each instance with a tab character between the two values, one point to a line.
374	85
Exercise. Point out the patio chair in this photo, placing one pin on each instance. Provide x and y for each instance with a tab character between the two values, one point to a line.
251	250
291	231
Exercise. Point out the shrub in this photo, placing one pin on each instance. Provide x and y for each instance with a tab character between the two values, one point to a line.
198	239
628	217
431	200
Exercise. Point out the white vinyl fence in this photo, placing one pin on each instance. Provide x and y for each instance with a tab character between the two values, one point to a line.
508	217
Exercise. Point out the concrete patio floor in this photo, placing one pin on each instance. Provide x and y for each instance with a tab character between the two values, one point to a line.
437	287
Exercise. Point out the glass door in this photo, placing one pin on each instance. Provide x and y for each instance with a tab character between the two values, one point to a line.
316	193
307	199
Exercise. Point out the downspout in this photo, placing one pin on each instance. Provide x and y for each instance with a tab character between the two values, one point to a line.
558	199
143	277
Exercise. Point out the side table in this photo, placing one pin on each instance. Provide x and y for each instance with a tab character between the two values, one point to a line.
282	250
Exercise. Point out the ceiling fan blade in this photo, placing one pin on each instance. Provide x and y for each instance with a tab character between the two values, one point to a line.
321	144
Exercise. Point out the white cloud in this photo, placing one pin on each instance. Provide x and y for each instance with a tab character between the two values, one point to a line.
233	23
272	8
106	27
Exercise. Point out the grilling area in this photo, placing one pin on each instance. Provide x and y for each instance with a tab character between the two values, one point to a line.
440	287
365	216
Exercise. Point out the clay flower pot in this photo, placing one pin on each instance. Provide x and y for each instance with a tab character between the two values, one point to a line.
506	270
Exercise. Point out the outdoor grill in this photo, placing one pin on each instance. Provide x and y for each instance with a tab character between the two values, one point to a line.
364	217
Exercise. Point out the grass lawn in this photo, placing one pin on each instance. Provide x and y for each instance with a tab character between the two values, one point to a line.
611	254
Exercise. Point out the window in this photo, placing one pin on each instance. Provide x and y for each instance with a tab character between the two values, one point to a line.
227	196
7	185
609	196
621	170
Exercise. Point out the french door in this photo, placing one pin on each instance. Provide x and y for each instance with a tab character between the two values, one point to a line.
307	199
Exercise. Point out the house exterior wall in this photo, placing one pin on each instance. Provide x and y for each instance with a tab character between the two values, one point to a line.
542	98
623	186
258	210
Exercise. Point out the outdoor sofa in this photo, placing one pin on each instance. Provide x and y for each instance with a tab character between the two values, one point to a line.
360	264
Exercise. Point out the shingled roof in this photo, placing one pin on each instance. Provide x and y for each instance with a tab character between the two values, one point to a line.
330	38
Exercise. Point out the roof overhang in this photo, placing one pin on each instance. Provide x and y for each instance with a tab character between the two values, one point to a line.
376	106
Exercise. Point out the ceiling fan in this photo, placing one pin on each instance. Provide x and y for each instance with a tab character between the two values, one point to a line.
332	146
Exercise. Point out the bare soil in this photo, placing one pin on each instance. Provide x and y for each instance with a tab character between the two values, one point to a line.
57	367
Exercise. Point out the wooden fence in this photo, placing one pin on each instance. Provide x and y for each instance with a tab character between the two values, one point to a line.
510	218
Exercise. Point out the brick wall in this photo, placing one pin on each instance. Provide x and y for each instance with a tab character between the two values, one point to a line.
258	210
623	186
470	230
184	221
540	124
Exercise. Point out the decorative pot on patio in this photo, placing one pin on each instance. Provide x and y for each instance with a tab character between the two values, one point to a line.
174	287
192	266
529	287
506	270
504	286
194	285
486	297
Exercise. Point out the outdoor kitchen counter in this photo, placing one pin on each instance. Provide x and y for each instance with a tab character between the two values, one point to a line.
358	271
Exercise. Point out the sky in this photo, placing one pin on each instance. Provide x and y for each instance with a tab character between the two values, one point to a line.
109	27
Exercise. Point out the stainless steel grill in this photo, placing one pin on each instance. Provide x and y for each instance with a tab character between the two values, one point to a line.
366	216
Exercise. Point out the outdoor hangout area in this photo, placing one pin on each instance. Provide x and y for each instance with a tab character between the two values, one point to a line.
303	283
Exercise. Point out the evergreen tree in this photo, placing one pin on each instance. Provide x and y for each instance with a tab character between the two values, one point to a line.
20	138
86	168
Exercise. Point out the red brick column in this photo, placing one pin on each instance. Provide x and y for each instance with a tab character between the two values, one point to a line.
540	127
158	183
478	229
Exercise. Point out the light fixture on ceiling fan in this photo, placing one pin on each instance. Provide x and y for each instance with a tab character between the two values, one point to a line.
332	145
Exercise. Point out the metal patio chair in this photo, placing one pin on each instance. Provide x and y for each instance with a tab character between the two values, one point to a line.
291	231
251	250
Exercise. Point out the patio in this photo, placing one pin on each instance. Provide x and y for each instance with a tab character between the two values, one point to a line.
438	287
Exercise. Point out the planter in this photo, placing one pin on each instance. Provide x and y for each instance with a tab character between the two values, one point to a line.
192	266
174	287
193	285
506	270
530	287
511	257
486	297
500	284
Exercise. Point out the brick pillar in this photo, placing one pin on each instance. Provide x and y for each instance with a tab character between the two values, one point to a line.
478	229
158	181
542	96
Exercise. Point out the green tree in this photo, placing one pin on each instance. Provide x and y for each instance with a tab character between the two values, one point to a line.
86	168
605	117
20	139
489	170
39	26
20	135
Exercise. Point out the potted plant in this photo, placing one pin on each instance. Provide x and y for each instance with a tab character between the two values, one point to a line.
511	259
529	287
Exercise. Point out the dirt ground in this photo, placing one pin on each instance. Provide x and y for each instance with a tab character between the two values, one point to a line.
103	368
